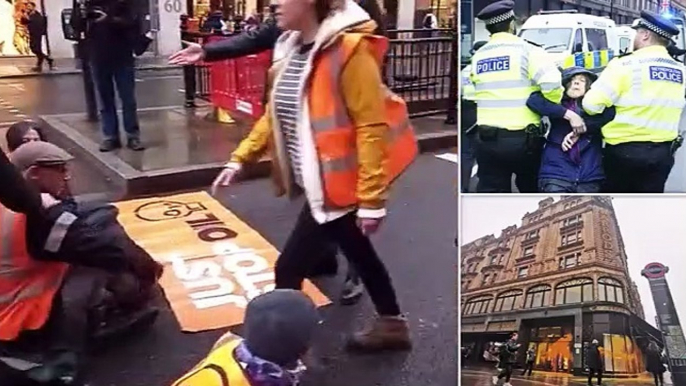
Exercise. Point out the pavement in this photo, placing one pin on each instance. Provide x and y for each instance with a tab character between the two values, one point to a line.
417	244
483	377
22	67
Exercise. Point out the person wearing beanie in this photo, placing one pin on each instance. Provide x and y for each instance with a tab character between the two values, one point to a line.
278	330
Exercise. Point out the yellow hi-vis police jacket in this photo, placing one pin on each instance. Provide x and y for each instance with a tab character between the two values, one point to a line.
219	368
647	89
504	73
467	90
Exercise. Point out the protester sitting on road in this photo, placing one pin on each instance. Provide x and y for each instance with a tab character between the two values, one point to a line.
341	154
22	132
258	40
278	329
572	155
42	247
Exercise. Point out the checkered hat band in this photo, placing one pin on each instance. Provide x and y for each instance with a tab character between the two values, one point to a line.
500	18
656	29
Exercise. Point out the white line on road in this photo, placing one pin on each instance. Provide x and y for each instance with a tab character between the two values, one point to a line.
452	157
474	170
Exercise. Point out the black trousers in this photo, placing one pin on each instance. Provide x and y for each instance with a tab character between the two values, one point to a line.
597	373
506	372
659	378
298	257
637	167
510	152
528	368
36	46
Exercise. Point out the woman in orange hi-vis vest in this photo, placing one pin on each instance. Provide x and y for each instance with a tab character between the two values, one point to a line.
341	137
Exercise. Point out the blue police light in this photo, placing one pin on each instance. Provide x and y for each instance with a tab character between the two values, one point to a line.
666	15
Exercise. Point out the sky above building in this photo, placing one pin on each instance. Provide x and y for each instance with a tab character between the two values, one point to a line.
653	228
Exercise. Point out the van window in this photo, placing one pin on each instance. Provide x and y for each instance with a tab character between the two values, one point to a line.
551	39
597	39
578	45
624	44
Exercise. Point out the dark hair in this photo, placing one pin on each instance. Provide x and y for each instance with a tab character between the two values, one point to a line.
323	9
15	134
503	26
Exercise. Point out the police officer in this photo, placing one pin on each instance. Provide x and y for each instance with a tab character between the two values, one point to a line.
647	88
467	122
504	73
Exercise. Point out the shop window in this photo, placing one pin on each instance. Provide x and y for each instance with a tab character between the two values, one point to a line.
574	291
571	238
570	261
522	272
610	290
477	306
538	296
528	251
621	354
508	301
571	220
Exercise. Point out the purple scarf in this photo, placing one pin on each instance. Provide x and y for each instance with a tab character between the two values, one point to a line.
264	373
575	152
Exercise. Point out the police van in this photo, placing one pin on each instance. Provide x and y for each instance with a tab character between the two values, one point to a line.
625	37
573	39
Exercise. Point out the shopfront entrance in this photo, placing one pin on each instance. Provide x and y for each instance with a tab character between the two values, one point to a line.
14	36
552	340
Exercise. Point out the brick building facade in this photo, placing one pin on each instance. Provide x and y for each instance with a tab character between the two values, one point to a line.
561	280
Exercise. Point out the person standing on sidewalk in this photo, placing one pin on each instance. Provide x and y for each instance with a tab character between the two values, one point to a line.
353	139
530	359
655	364
508	354
37	25
594	362
112	29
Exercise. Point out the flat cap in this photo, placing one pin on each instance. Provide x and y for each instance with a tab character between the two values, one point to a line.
497	12
659	25
38	153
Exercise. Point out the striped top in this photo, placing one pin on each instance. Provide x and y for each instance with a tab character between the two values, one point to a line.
286	102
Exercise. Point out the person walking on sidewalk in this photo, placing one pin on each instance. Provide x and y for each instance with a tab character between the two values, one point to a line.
595	363
37	25
508	354
339	141
655	364
530	359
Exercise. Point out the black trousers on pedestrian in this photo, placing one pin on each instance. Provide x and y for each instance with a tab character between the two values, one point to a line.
36	46
637	167
298	257
659	378
506	372
528	367
598	373
508	153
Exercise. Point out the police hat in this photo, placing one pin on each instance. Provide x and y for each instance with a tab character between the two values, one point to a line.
569	73
37	153
657	24
497	12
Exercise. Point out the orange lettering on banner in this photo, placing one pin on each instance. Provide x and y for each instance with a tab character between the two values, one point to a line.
214	262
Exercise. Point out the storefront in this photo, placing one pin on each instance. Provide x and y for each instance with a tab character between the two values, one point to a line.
14	36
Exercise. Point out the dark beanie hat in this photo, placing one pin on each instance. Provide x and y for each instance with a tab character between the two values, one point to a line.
279	325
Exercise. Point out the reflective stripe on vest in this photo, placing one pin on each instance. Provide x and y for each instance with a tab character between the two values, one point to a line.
27	286
650	109
504	93
335	134
219	368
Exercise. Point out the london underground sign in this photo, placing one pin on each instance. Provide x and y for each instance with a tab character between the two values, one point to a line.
654	271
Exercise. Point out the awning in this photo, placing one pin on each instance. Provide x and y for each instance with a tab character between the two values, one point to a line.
642	329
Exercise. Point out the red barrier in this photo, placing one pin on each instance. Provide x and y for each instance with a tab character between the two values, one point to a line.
237	85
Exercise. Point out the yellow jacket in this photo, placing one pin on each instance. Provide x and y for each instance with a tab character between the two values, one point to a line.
366	108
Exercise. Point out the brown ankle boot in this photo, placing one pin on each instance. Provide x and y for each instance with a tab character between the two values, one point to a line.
384	333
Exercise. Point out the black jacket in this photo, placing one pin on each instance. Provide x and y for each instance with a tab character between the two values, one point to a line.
252	42
508	352
593	359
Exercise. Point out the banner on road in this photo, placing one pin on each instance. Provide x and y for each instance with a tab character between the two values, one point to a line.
214	262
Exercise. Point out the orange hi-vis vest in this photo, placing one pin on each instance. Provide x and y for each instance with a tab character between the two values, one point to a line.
219	368
27	286
334	132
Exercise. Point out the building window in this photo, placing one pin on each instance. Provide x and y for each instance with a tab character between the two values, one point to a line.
531	235
486	277
571	238
508	301
494	259
477	306
610	290
570	261
522	272
538	296
528	251
467	284
571	220
574	291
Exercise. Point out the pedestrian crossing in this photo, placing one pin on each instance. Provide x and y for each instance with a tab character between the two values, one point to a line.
450	157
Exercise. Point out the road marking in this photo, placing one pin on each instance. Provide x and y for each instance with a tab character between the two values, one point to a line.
451	157
475	169
13	111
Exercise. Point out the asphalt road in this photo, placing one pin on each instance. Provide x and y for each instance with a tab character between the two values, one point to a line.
64	94
417	244
483	377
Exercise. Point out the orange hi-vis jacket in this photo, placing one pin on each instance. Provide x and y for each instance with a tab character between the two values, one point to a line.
219	368
27	286
350	174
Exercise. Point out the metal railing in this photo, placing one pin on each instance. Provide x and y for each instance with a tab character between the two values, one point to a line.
421	67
